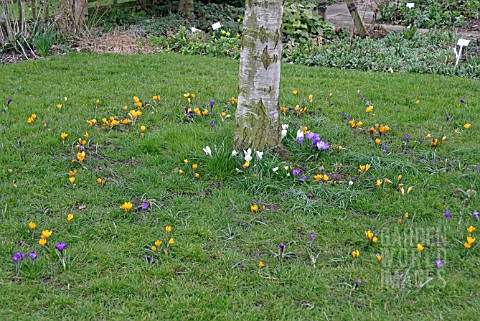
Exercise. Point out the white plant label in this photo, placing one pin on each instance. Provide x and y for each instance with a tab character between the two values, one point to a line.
410	5
216	26
463	42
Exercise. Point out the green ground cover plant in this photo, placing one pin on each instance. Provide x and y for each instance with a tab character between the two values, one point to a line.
429	13
115	208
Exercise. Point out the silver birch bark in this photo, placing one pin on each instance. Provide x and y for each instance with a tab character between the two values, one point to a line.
257	119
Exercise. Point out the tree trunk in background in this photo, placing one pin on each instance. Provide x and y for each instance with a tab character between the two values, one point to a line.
72	15
6	23
185	7
322	8
257	120
357	21
80	14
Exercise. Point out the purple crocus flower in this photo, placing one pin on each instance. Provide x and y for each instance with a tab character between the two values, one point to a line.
17	256
61	246
296	171
407	136
475	214
145	205
212	103
300	140
9	100
281	246
309	136
438	263
348	118
32	255
447	117
342	113
363	97
315	140
303	179
212	123
462	100
321	145
447	214
312	236
384	149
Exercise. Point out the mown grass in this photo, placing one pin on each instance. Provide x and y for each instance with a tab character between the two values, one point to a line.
211	271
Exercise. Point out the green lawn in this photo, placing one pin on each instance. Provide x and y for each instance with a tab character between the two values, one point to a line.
212	269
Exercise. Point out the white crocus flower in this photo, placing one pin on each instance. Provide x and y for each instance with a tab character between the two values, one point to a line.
275	169
208	151
300	133
284	130
259	154
234	153
248	154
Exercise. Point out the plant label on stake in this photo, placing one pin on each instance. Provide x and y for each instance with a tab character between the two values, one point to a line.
461	43
410	5
216	26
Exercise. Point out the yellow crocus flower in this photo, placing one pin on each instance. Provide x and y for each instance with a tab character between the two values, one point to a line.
46	234
126	206
369	235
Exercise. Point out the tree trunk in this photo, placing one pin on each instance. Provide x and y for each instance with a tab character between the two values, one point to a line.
79	15
357	21
322	8
257	120
6	19
72	14
185	7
